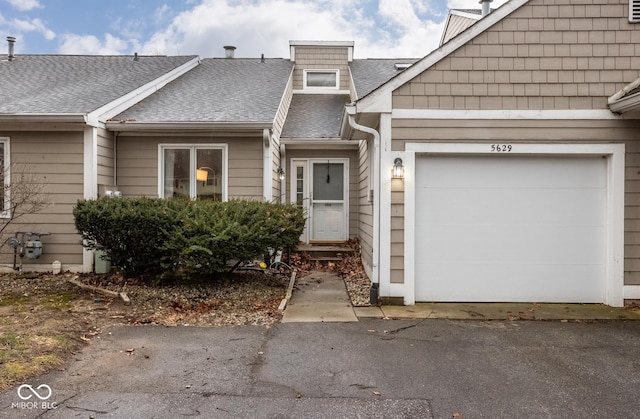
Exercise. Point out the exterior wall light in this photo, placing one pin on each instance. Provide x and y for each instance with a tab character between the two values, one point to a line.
398	168
280	173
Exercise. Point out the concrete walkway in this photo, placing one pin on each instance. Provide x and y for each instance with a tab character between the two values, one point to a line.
323	297
501	311
319	297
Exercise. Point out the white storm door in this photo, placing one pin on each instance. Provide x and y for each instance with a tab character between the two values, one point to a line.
328	213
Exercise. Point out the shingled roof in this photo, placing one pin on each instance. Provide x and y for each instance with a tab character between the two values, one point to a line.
372	72
315	116
218	90
70	84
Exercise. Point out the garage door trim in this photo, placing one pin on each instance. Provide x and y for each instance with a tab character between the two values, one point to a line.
614	222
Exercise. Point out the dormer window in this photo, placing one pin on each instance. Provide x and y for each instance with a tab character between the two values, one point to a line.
321	79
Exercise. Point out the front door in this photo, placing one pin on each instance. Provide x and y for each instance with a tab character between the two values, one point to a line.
321	187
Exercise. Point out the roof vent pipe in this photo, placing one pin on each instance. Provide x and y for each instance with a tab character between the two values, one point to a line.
11	40
229	51
486	7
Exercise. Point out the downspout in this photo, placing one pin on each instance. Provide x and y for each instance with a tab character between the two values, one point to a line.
115	160
375	281
267	176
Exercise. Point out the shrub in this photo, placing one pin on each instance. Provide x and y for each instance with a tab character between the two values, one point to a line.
131	232
146	236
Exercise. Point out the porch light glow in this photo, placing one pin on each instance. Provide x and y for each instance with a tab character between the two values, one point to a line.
281	173
398	168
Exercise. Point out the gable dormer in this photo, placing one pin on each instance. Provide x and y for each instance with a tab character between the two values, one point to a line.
321	66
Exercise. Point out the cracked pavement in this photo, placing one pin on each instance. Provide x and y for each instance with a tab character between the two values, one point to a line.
372	368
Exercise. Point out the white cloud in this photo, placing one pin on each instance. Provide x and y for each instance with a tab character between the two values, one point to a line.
267	26
33	25
90	44
24	5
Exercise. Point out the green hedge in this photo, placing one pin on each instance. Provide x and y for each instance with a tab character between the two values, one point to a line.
149	236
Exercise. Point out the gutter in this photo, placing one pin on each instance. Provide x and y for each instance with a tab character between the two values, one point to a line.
44	117
375	281
133	126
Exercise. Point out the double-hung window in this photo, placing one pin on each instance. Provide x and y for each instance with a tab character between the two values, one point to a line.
194	171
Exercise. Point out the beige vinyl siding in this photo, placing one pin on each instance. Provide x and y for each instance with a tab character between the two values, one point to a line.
321	58
530	131
105	160
137	158
56	159
562	55
365	208
352	155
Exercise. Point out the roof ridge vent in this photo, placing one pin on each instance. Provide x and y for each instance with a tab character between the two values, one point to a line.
229	51
11	41
486	7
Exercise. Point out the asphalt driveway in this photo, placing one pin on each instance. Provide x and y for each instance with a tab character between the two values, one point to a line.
372	368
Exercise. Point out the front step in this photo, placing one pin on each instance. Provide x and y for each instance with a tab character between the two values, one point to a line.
324	254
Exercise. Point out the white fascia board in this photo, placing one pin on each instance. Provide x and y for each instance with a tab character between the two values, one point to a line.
439	54
316	144
188	126
44	117
322	43
117	106
548	114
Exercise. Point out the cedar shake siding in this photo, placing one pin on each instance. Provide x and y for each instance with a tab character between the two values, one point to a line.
560	56
321	58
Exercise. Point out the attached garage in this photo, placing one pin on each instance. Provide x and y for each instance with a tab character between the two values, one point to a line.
513	226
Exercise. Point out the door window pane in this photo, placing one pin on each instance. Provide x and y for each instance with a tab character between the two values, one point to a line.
328	181
176	173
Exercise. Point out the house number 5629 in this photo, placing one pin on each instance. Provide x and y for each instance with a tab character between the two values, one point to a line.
501	148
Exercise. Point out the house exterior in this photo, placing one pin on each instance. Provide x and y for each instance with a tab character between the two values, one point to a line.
500	167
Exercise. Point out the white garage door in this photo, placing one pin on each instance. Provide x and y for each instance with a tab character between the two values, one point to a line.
510	228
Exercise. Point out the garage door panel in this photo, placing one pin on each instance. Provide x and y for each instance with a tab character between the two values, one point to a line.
513	244
510	228
510	206
509	282
513	171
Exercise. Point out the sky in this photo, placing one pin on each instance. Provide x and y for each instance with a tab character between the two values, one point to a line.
379	28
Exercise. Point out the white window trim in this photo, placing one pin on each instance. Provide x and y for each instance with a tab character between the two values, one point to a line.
192	162
322	88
